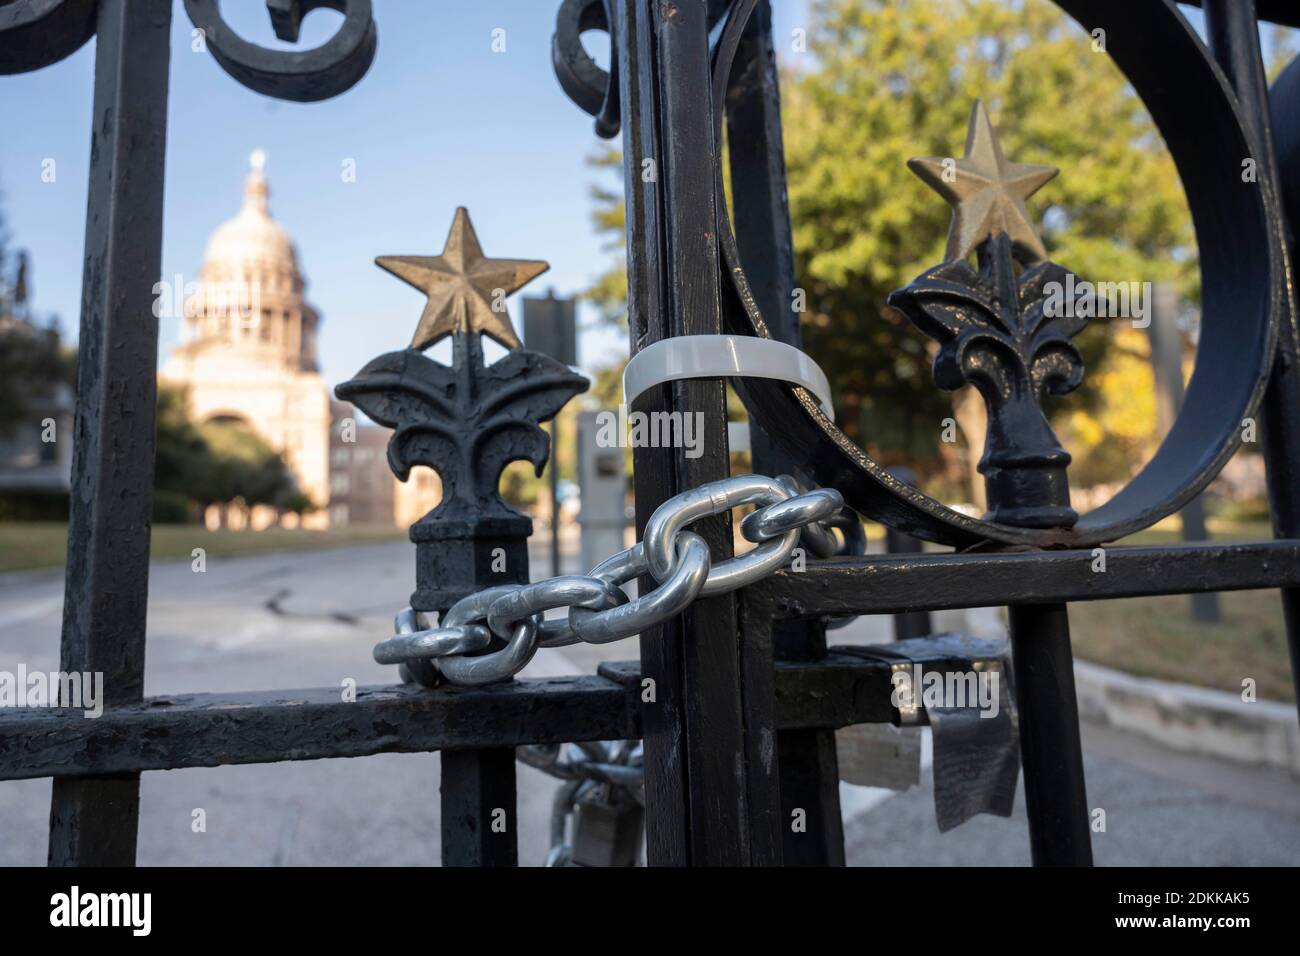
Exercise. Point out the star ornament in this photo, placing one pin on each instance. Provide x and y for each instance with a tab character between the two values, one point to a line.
987	193
466	289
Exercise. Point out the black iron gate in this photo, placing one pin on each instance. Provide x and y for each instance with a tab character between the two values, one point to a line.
748	694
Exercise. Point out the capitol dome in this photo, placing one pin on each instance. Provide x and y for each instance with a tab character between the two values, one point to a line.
250	295
252	241
247	351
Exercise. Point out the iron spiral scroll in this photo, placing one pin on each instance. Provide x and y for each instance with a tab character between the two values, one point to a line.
38	33
594	90
1242	281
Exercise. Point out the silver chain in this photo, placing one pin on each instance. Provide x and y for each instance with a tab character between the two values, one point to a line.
599	610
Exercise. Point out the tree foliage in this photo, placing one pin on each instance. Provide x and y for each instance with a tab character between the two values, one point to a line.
218	461
204	464
246	467
889	81
33	359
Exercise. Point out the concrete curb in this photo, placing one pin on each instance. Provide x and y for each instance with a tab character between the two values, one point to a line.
1191	719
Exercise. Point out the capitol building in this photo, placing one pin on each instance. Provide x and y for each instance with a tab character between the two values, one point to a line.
247	353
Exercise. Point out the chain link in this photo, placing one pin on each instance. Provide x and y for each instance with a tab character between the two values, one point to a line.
599	611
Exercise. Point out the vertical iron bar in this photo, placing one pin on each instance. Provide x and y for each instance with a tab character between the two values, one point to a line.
809	772
710	738
1056	800
907	624
94	822
667	815
1055	795
555	496
453	560
734	800
478	808
810	775
1234	39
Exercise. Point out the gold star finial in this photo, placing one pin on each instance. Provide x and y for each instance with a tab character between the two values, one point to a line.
987	193
466	290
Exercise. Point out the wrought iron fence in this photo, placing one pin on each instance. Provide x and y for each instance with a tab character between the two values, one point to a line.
748	695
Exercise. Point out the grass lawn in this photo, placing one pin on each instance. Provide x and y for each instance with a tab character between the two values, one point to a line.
28	545
1157	637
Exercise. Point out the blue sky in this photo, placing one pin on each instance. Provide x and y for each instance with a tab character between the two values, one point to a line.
439	121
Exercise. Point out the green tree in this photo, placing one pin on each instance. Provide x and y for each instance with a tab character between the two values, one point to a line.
884	81
895	81
609	291
32	356
216	462
298	503
184	467
246	466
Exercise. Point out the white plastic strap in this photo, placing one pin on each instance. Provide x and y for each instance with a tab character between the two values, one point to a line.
724	356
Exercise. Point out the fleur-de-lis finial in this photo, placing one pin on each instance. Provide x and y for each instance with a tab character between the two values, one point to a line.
995	328
467	420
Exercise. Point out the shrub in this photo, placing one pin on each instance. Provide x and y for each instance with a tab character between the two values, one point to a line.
171	507
33	505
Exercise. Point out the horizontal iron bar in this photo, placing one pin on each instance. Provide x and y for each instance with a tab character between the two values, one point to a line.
897	583
850	685
211	730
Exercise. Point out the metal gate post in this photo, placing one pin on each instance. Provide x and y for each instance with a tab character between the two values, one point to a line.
472	540
1055	797
477	787
94	821
1234	40
711	787
809	772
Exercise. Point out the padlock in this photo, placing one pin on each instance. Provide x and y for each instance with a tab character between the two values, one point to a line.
607	829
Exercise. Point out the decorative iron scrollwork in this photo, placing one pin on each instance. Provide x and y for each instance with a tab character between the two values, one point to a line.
998	331
995	333
591	88
1242	279
36	33
302	76
467	421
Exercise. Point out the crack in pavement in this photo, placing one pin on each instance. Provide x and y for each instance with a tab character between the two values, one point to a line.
275	606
